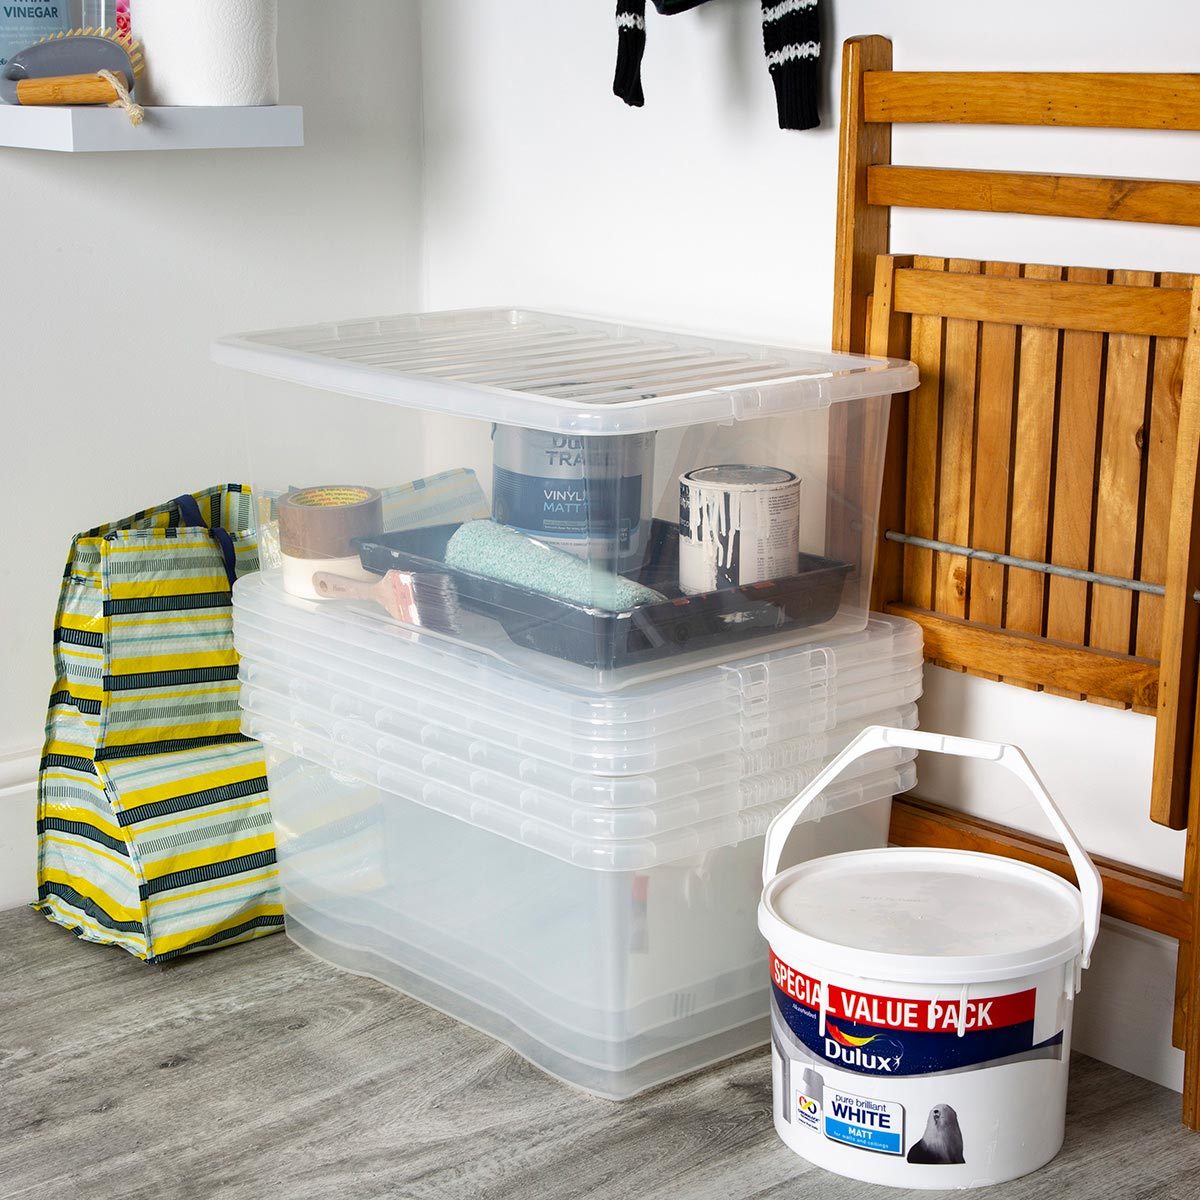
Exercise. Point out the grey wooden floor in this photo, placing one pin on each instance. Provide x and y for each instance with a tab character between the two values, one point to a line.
257	1072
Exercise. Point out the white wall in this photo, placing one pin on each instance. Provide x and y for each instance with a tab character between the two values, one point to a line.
542	189
121	269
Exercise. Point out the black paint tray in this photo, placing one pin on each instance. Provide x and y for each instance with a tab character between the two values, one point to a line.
605	640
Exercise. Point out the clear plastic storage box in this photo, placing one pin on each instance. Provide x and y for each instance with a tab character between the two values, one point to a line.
614	978
590	502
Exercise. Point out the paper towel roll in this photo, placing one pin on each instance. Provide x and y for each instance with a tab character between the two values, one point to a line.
218	52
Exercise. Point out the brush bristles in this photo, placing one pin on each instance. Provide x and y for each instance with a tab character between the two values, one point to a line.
132	47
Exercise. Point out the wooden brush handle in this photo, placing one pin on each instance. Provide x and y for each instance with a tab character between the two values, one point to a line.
66	89
328	584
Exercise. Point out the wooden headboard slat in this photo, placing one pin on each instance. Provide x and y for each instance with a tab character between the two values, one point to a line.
1082	99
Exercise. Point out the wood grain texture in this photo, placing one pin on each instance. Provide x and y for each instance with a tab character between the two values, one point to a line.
1029	535
1118	520
259	1072
1186	1029
1028	658
1083	301
861	235
1088	99
1177	695
1154	201
1144	898
862	228
960	365
1160	439
1074	500
992	492
924	422
890	336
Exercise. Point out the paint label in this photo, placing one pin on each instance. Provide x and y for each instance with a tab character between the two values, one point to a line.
737	535
865	1123
872	1034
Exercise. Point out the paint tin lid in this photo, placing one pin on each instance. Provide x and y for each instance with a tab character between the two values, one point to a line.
735	476
922	915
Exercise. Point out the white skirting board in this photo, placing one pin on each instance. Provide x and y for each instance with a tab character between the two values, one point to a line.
18	828
1123	1015
96	128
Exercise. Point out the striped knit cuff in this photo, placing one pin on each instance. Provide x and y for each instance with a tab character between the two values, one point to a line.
631	44
792	40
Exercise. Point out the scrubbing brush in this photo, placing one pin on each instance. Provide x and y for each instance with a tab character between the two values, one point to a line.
81	66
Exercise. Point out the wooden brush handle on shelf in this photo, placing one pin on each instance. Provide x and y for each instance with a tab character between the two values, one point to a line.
66	89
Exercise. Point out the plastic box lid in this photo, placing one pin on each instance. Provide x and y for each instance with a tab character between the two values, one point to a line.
271	700
745	684
559	372
410	710
597	854
741	712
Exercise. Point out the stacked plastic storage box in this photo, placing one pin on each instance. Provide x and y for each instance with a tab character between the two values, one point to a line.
537	802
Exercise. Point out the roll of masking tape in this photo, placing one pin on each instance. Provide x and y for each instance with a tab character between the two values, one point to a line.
317	528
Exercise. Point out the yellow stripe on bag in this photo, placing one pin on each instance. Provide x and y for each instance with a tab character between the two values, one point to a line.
188	936
146	829
202	782
93	623
171	733
173	662
209	855
89	890
186	895
174	586
139	695
78	691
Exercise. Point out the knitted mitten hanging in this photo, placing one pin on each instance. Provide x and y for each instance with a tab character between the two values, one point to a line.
791	40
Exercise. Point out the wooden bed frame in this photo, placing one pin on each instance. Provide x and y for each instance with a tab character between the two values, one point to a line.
1039	512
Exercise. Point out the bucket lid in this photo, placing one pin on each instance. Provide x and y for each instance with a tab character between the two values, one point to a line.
922	915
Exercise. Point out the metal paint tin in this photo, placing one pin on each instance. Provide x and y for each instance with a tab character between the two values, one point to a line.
590	496
738	524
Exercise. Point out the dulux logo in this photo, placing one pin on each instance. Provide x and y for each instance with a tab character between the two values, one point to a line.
883	1056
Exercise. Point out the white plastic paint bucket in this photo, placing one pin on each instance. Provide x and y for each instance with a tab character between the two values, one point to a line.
921	1024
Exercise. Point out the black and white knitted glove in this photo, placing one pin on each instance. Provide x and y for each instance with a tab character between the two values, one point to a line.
631	45
791	39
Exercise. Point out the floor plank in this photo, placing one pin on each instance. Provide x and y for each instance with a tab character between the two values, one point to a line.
258	1071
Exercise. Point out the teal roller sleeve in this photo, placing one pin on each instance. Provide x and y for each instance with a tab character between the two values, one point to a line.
485	548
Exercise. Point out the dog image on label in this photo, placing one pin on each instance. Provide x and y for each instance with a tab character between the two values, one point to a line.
942	1141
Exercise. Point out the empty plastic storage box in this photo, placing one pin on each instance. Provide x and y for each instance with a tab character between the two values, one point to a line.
612	977
610	503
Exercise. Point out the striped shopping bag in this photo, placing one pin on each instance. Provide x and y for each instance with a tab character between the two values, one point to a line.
154	831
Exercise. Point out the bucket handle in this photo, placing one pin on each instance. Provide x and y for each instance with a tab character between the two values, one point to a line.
880	737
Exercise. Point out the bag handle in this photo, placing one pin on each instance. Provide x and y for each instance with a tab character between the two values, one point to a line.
189	512
881	737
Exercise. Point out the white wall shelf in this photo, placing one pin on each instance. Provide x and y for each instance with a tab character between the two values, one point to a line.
96	128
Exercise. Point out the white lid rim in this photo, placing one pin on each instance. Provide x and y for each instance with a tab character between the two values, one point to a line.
811	954
946	970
